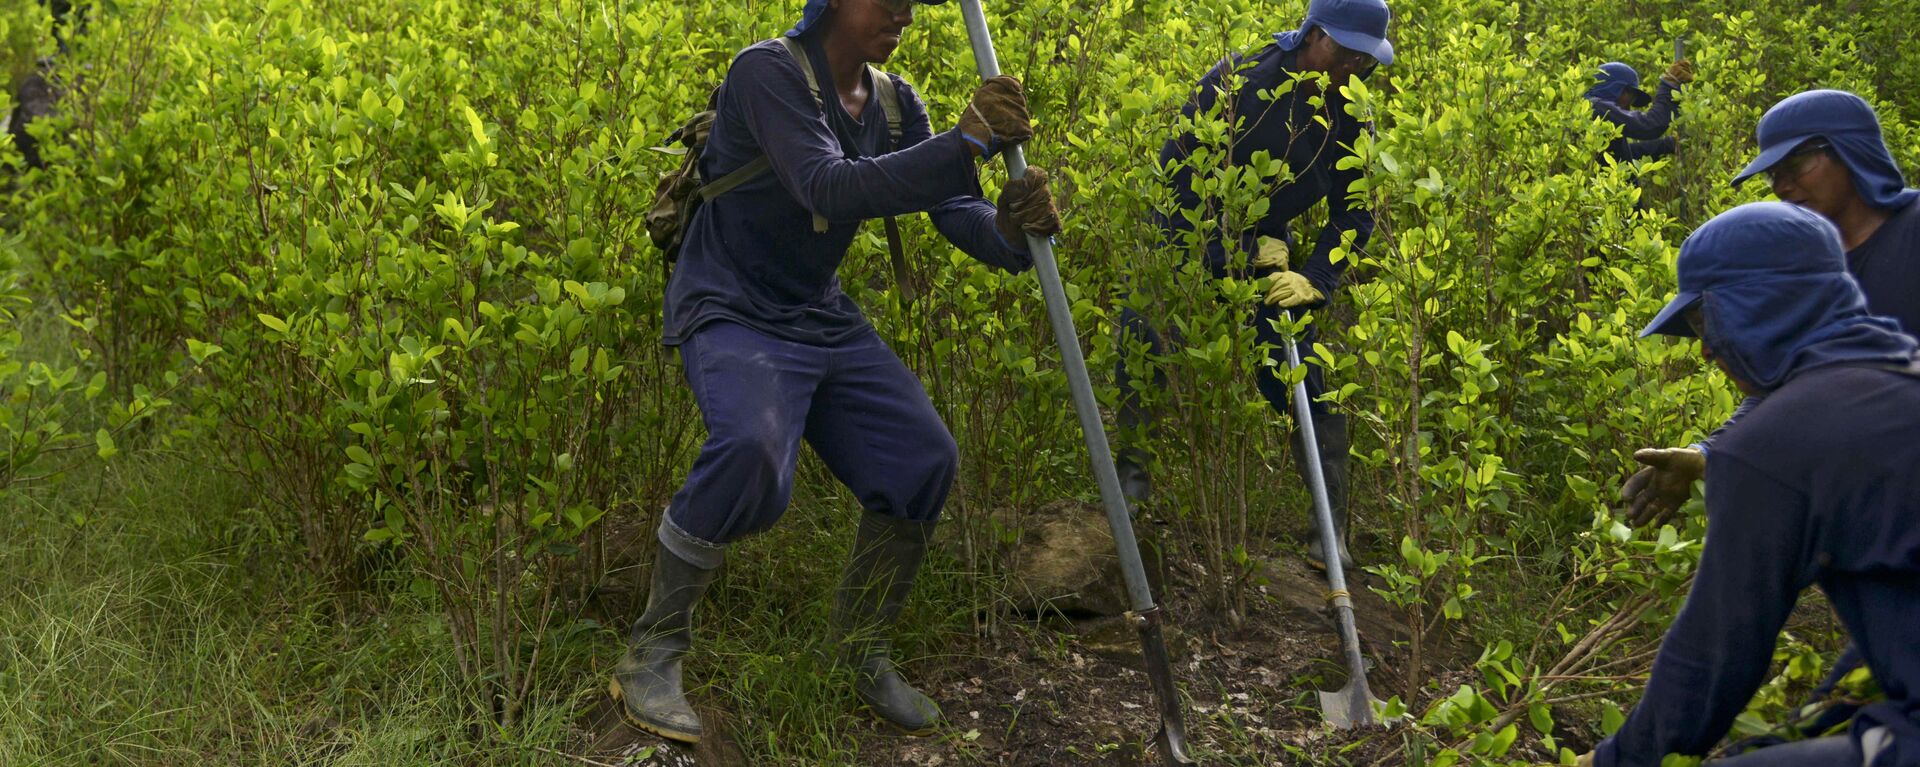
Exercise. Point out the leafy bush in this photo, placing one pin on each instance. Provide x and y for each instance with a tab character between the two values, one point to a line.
394	275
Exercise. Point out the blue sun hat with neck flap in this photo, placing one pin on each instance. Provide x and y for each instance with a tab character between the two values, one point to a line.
1775	297
1849	125
1615	78
817	10
1358	25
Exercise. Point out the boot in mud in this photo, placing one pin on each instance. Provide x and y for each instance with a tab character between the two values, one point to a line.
886	557
647	680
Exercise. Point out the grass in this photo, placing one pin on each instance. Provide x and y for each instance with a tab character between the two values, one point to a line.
146	617
150	615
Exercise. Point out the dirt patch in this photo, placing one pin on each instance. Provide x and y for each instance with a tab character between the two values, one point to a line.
1058	691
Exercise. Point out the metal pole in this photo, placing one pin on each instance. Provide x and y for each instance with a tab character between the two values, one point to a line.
1355	697
1145	615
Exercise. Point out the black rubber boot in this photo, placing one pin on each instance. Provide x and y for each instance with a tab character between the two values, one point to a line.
1135	483
886	557
1331	429
647	679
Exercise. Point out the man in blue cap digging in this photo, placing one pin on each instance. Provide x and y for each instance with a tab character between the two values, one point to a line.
776	353
1816	485
1617	98
1340	39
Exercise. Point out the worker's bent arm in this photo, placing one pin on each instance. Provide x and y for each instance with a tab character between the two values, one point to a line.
1720	647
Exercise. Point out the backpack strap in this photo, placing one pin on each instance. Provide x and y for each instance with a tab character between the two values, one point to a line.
889	103
799	54
731	181
896	248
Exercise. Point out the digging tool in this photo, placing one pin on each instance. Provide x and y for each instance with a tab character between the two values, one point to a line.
1145	615
1679	159
1353	705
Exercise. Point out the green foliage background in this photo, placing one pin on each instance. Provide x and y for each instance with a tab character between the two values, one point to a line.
379	268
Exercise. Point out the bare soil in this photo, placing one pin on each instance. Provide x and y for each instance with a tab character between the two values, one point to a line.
1064	691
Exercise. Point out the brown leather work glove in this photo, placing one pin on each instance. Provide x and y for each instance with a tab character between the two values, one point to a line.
1680	73
1664	485
1026	208
997	116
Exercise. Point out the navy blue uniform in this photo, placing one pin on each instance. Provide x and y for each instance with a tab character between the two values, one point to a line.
1291	128
1816	485
1888	268
773	350
1284	128
1642	134
752	256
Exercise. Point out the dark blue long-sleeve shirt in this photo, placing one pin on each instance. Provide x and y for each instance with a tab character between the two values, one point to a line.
1289	128
1642	134
1816	485
752	256
1887	266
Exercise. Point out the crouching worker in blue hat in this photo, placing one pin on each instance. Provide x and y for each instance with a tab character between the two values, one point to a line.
1618	99
1312	131
1815	485
1822	150
775	353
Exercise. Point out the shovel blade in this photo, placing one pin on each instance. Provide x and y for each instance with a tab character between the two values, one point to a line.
1348	707
1173	746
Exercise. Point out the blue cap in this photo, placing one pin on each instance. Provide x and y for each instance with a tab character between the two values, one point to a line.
816	9
1614	78
1748	244
1849	125
1775	297
1358	25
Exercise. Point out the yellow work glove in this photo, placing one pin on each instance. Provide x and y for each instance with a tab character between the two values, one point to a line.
1679	73
1274	254
1657	491
1291	289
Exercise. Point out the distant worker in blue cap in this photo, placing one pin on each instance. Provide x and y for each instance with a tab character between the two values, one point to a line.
1817	485
776	353
1309	127
1618	99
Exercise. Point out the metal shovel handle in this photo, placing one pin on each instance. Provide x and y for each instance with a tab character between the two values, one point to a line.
1145	614
1357	698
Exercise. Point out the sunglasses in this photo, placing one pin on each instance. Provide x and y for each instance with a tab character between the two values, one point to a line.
1349	57
1795	164
1696	321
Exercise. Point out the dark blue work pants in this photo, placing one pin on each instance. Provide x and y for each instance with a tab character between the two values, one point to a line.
1831	751
865	414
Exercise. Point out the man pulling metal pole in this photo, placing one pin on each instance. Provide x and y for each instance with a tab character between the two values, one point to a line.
1145	615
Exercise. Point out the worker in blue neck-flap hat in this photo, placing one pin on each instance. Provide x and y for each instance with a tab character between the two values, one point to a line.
1816	485
776	353
1618	99
1308	126
1823	150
